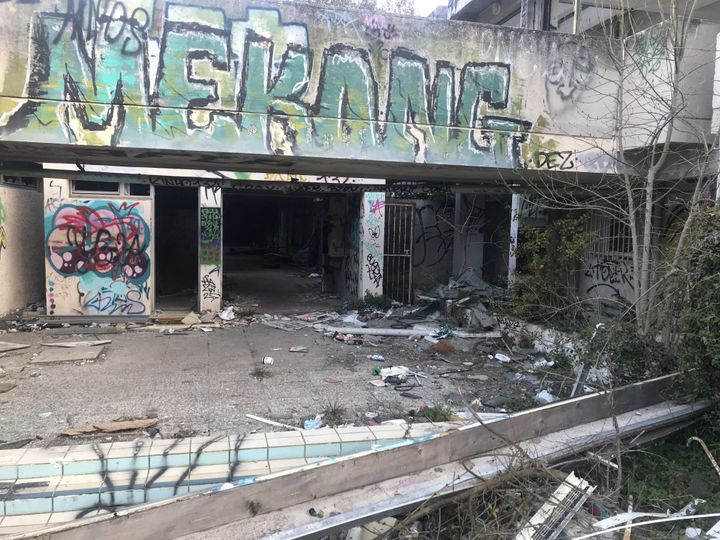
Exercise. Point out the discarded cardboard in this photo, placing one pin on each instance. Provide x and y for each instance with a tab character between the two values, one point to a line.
6	346
72	344
59	356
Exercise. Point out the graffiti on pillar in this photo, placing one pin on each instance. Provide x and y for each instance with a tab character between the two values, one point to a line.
97	255
372	238
273	81
210	236
3	239
210	284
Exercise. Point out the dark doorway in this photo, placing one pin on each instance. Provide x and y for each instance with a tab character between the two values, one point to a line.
176	248
274	251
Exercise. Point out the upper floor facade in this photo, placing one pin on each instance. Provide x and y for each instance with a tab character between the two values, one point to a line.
259	86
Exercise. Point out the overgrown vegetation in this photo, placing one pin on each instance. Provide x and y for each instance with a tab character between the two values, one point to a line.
545	289
695	324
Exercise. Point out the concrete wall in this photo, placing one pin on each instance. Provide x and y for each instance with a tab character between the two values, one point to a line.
21	247
434	238
282	80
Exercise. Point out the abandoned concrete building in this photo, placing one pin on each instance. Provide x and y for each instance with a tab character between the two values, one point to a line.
163	155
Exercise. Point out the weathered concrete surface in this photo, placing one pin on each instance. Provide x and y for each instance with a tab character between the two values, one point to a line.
203	381
21	247
151	78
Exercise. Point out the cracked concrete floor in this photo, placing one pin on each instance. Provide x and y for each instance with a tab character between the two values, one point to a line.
203	382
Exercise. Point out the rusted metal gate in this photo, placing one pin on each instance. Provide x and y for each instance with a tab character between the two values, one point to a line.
399	224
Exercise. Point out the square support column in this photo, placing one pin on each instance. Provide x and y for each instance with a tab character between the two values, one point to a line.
372	244
210	252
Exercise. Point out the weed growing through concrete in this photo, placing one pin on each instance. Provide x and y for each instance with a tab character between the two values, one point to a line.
261	372
334	413
438	413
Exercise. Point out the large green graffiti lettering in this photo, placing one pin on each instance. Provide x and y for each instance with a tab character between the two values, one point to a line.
108	74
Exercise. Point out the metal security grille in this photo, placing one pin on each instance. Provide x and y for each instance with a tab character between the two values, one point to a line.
399	223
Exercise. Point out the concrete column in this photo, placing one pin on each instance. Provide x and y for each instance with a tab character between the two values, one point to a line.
210	252
458	251
372	244
514	229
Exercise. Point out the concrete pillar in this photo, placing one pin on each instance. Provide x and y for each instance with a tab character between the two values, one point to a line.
210	252
514	229
372	244
458	251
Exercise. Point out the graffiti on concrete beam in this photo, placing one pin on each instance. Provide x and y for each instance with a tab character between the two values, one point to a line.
249	81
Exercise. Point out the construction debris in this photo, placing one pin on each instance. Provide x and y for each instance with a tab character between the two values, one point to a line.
556	513
191	319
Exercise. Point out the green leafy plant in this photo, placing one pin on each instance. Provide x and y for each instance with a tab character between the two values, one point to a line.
438	413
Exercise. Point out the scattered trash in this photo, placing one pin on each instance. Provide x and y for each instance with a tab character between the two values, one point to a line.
377	382
299	349
316	513
475	377
314	275
500	357
315	423
543	363
410	395
544	397
45	414
228	314
376	357
191	319
268	360
205	329
400	372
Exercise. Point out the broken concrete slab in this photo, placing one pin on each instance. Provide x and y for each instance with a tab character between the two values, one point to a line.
60	356
6	346
73	344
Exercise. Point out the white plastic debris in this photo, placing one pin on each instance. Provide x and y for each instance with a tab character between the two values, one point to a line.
693	533
543	363
394	371
543	397
228	314
268	360
500	357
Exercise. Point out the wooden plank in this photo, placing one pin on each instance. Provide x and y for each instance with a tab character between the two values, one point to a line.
183	515
410	491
